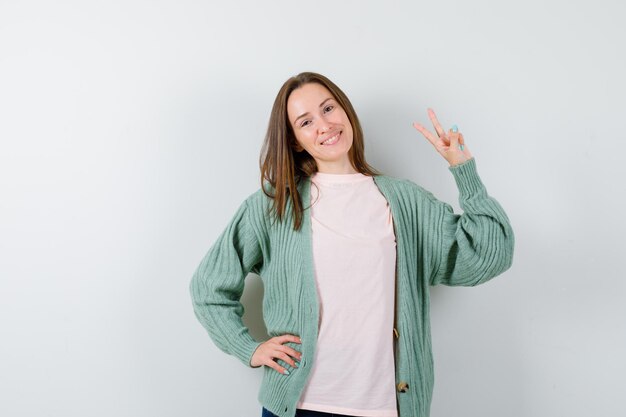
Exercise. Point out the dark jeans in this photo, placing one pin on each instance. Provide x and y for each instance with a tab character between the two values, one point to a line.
305	413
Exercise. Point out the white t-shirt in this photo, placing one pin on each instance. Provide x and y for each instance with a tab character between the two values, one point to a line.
354	254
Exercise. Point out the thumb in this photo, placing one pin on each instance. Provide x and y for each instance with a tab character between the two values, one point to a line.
454	139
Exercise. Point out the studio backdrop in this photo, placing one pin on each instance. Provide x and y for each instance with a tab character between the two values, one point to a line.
130	132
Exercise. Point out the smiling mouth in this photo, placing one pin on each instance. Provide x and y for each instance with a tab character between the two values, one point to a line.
332	140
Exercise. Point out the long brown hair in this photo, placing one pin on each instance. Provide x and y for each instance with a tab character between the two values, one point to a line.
282	166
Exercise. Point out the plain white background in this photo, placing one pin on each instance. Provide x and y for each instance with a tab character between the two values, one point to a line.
130	132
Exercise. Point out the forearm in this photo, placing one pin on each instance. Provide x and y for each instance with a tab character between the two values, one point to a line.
477	245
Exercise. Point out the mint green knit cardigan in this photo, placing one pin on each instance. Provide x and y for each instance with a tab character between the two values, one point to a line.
434	246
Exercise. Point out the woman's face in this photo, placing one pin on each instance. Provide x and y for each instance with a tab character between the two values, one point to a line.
315	117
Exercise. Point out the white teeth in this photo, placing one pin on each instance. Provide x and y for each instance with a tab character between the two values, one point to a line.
331	140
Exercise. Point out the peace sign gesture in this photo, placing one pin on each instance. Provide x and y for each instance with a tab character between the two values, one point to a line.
450	145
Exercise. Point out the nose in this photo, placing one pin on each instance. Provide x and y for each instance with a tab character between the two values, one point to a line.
325	125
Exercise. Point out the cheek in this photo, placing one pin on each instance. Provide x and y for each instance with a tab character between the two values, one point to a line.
346	121
310	136
304	139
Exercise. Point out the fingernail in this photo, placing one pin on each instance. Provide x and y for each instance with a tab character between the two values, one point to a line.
297	364
455	129
286	372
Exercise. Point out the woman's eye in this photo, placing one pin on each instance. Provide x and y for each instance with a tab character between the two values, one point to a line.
325	108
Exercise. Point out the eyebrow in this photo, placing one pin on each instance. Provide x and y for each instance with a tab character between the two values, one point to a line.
304	114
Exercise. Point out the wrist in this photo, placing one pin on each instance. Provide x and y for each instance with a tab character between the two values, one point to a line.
460	162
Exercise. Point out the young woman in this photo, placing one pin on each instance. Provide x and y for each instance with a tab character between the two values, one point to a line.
346	255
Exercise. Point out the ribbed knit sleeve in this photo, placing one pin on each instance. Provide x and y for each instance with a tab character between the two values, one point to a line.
218	282
477	245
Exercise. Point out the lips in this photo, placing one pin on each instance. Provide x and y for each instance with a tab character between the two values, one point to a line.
332	135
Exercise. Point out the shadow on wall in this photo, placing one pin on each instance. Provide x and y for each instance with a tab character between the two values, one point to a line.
252	300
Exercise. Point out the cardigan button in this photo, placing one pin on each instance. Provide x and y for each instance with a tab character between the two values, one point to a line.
395	333
403	386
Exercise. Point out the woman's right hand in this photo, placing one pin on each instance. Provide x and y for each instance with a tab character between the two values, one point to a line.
274	348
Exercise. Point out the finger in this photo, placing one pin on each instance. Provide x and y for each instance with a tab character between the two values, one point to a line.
433	118
431	138
286	358
445	139
453	134
274	365
458	143
272	358
289	351
454	140
288	338
292	352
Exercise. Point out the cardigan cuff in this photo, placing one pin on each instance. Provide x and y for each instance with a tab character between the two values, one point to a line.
244	350
466	177
255	347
